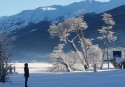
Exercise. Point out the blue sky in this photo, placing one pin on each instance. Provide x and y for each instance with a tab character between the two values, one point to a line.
10	7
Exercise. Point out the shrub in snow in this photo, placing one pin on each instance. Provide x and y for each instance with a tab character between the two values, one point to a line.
78	67
59	59
95	56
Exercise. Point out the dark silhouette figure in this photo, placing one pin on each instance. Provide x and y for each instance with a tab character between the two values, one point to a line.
14	68
26	73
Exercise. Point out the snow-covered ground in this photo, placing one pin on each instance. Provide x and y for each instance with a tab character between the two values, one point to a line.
105	78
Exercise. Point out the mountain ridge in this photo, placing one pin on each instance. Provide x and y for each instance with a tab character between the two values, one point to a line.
52	12
35	39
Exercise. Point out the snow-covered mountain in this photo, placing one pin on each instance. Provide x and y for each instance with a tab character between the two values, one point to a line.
35	38
55	12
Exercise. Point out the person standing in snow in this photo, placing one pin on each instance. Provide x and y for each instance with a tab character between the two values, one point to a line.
26	73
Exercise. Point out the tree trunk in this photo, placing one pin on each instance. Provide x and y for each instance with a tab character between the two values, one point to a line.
83	47
101	66
94	66
67	65
107	54
76	51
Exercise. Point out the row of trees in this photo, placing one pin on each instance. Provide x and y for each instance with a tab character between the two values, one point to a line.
83	54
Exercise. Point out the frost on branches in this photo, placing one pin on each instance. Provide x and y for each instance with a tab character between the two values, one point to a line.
106	33
59	59
4	56
95	56
71	32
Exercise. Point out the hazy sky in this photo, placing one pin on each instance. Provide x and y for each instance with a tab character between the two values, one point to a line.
10	7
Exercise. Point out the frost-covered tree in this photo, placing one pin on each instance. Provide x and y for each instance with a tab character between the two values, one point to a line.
60	59
95	56
78	26
65	61
106	33
4	56
70	30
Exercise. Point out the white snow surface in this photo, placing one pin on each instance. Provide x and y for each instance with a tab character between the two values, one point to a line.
103	78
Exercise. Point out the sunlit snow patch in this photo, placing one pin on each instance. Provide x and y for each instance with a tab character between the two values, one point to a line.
48	9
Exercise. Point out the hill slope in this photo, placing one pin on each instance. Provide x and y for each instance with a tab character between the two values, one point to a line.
53	12
34	39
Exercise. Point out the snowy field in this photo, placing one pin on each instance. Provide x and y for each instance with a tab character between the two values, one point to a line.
40	78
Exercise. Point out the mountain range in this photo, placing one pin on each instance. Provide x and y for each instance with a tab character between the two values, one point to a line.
33	39
55	12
